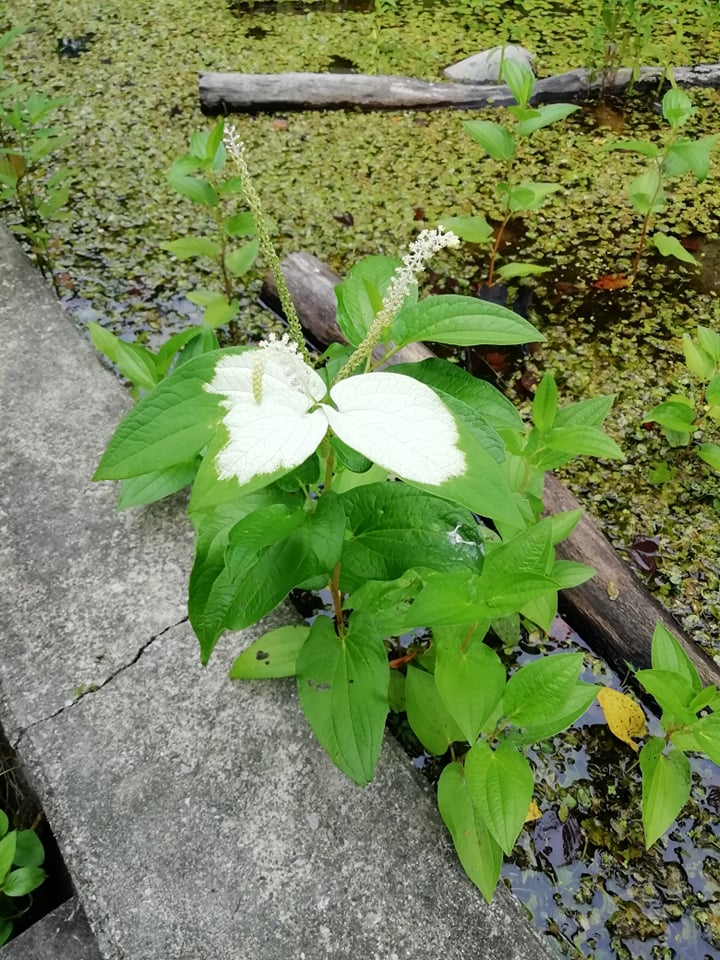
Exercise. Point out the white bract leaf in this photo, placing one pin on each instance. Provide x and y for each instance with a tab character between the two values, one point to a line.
399	423
275	421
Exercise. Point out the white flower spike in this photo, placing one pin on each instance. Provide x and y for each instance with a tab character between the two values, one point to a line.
275	419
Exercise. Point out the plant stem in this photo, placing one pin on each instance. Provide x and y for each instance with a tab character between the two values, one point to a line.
496	247
334	586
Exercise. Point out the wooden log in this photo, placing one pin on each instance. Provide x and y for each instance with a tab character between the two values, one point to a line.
258	92
614	612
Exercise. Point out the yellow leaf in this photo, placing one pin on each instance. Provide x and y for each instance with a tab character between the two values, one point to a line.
624	717
534	812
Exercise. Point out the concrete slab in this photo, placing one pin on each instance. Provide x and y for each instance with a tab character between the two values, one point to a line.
75	605
63	934
198	818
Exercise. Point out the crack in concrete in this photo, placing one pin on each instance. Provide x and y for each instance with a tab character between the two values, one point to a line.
95	688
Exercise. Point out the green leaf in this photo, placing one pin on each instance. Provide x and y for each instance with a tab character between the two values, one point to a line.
583	441
220	311
268	553
4	822
203	342
671	247
564	523
520	79
188	247
239	261
349	458
449	380
495	139
692	155
240	225
214	149
478	852
137	364
710	342
677	107
514	270
387	602
712	391
428	716
195	189
646	193
103	340
568	574
538	691
544	116
674	415
29	850
501	784
359	295
470	229
6	926
530	196
7	852
23	881
343	688
665	787
395	527
149	487
470	679
463	321
171	425
168	351
483	488
710	453
576	703
672	691
706	734
635	146
545	403
698	361
668	654
272	655
589	413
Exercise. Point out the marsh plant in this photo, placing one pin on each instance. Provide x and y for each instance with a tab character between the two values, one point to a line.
687	420
201	175
412	495
676	157
34	196
21	858
502	143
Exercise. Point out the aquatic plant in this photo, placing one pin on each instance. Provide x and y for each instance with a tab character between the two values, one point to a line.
296	488
501	143
676	157
684	419
198	175
26	142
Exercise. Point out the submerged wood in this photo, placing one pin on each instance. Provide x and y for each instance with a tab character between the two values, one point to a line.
614	612
257	92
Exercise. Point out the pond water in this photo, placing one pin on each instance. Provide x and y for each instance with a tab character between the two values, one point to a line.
343	186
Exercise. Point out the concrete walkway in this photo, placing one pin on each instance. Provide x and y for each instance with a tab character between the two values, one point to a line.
198	818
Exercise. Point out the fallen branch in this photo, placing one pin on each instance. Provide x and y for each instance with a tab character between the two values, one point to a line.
269	92
614	612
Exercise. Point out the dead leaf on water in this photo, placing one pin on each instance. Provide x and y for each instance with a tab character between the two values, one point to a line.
534	812
624	717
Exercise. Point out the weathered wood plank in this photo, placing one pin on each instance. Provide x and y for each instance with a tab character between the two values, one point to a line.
259	92
619	629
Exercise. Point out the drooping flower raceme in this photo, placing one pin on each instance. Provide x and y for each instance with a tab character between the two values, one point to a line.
279	411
